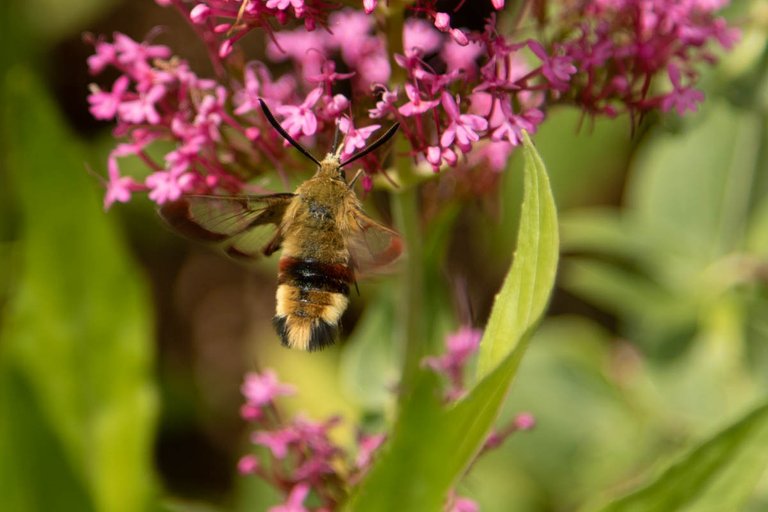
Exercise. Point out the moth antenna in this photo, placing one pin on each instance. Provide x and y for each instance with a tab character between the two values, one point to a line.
336	142
352	182
281	131
374	145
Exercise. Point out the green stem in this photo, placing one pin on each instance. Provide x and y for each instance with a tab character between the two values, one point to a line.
405	204
411	314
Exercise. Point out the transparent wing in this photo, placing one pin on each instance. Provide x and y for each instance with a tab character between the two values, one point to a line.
243	225
372	245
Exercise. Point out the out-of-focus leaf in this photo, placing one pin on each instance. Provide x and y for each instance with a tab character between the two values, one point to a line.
369	365
431	445
693	190
623	292
718	475
75	346
52	19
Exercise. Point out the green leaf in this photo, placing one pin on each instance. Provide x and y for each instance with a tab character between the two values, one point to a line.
432	445
76	341
718	475
529	283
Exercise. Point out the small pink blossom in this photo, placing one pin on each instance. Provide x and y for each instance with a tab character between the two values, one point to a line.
119	188
681	98
301	119
419	36
295	501
104	105
416	105
462	128
165	186
105	55
354	138
525	421
247	464
143	108
298	5
199	13
369	5
462	504
442	22
438	156
557	69
512	127
262	389
385	105
497	4
460	346
367	447
277	441
250	412
131	52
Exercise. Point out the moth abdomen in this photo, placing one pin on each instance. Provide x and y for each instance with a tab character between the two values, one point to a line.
311	297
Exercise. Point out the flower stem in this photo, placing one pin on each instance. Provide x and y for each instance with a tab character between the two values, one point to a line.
411	315
405	205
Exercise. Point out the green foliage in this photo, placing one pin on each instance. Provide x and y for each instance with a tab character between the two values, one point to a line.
720	474
75	345
431	444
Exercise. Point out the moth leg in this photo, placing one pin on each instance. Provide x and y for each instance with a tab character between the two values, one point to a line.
273	245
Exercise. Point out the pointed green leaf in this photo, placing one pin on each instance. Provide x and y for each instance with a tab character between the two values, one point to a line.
718	475
431	445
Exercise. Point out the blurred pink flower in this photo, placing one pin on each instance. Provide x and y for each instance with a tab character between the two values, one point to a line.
262	389
295	501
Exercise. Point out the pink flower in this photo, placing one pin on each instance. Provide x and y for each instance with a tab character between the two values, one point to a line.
385	105
298	5
295	501
419	36
557	70
442	22
119	188
460	346
167	186
497	4
105	55
354	138
277	441
511	128
367	447
131	52
104	104
143	108
199	14
461	504
262	389
301	119
462	128
681	98
416	105
525	421
438	156
335	106
248	464
369	5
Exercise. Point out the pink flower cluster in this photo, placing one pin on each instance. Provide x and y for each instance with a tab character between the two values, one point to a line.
462	97
300	458
306	465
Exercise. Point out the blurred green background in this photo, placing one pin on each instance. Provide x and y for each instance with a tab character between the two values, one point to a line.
122	346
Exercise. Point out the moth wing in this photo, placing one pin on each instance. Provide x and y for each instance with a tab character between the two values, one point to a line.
373	245
243	225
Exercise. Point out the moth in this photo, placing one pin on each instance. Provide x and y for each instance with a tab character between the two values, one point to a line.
326	238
